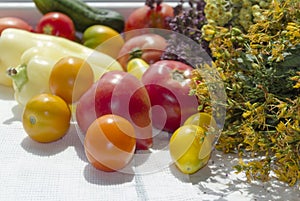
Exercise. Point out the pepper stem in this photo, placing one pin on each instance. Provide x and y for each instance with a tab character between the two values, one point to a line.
18	75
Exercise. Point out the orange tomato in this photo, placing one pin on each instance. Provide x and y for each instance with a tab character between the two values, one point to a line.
46	118
70	78
110	143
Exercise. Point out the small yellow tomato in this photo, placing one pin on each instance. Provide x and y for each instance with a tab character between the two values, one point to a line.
201	119
186	146
46	118
205	121
70	78
137	67
104	39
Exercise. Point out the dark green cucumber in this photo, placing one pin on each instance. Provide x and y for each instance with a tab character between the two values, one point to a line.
82	14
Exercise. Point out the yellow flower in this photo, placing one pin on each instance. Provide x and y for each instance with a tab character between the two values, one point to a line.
246	114
281	127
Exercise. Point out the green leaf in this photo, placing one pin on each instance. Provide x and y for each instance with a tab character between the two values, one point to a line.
292	59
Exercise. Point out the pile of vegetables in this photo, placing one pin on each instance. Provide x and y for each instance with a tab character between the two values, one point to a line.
253	45
68	66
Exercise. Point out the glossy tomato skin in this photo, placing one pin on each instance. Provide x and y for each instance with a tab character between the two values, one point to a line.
46	118
151	47
145	17
168	86
14	22
137	67
110	143
122	94
57	24
187	148
202	119
205	121
104	39
70	77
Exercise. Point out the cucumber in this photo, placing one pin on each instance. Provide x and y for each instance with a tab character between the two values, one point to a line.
82	14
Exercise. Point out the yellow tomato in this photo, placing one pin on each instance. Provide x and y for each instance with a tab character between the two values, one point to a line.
186	148
201	119
205	121
103	39
137	67
46	118
70	78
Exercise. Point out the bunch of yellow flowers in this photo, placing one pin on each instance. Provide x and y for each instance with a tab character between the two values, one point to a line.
255	46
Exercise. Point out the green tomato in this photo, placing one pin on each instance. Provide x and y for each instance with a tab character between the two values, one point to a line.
189	148
103	39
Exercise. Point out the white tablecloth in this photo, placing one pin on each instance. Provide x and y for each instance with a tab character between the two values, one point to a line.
60	171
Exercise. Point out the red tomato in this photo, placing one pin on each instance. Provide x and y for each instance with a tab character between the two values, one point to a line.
110	143
14	22
150	47
168	86
146	17
122	94
57	24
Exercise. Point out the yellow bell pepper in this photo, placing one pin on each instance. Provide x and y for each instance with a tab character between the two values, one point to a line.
31	77
15	42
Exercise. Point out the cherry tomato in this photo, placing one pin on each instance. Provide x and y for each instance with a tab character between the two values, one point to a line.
205	121
70	78
189	148
168	86
57	24
147	17
14	22
148	47
104	39
118	93
46	118
137	67
110	143
201	119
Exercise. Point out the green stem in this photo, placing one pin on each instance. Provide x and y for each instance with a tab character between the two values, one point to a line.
135	53
18	75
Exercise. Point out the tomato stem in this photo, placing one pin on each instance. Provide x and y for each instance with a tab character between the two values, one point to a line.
135	53
178	76
152	3
48	29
